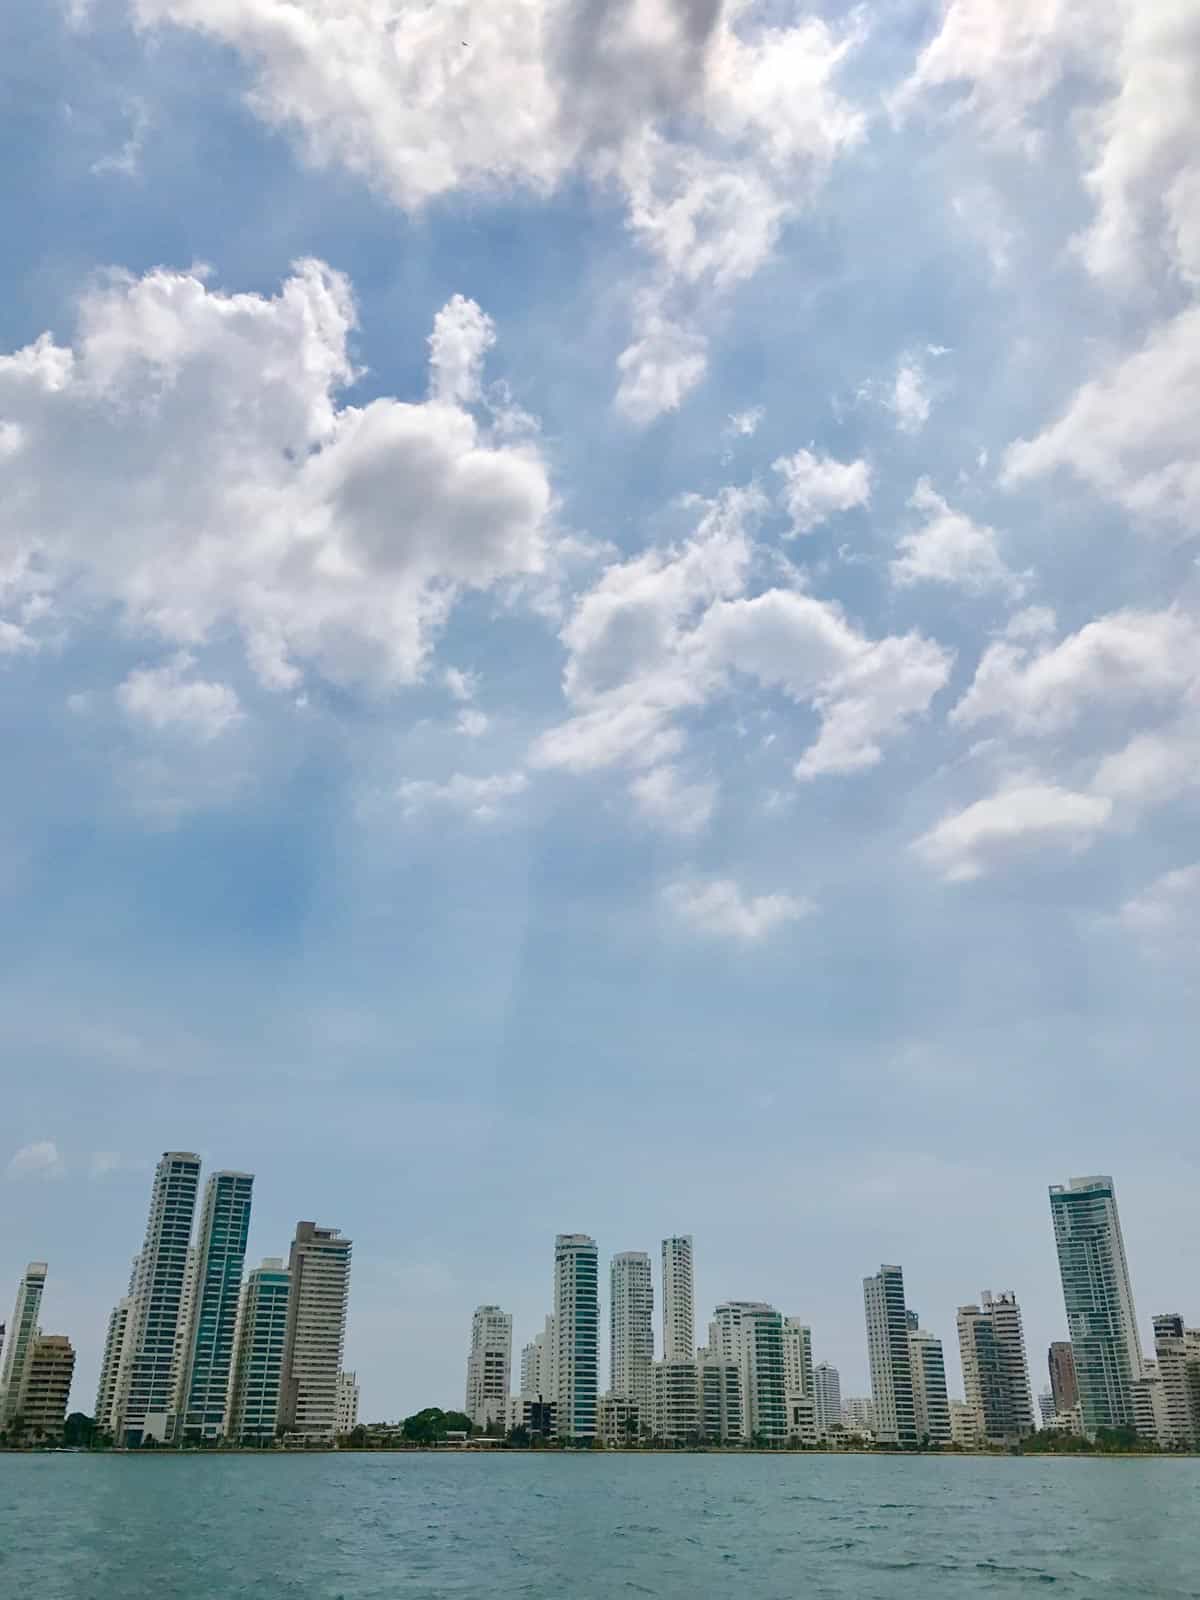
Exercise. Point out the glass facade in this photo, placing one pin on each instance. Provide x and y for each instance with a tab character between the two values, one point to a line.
221	1255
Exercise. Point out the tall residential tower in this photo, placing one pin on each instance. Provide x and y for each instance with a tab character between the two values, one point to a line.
577	1335
891	1364
631	1328
991	1344
679	1299
318	1298
22	1333
488	1367
208	1347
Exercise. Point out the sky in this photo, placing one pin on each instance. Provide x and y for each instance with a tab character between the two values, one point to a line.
600	631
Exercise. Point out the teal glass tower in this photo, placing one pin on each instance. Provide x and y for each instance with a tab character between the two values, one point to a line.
254	1408
220	1256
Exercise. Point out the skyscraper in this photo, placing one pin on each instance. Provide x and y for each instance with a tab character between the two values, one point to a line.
208	1347
22	1331
827	1393
538	1380
1177	1352
577	1334
489	1360
931	1403
891	1366
750	1334
991	1344
318	1298
258	1365
145	1399
1099	1300
1063	1387
679	1299
116	1349
797	1357
631	1328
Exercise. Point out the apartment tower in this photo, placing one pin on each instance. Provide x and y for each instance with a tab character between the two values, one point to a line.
318	1298
577	1335
219	1259
891	1365
631	1329
258	1363
488	1367
22	1332
679	1299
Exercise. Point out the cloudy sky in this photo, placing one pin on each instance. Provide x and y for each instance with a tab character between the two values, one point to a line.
600	630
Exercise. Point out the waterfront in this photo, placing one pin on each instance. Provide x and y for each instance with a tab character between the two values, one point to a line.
544	1526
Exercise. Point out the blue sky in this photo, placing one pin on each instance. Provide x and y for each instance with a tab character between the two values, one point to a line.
599	629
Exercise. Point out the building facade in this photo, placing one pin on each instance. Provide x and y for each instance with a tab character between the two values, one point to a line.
116	1346
577	1335
827	1394
220	1258
489	1362
797	1357
991	1342
46	1386
22	1333
631	1328
887	1348
347	1403
1098	1297
964	1425
147	1394
931	1403
618	1421
1177	1356
676	1402
318	1300
258	1365
679	1299
1061	1363
719	1387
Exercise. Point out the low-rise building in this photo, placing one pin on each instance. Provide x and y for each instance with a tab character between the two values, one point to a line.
46	1389
618	1421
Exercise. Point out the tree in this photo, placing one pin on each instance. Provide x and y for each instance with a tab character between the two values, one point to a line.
433	1424
79	1430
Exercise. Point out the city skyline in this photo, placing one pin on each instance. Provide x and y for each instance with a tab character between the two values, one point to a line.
903	1356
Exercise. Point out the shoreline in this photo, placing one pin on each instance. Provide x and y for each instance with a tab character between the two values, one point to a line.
175	1453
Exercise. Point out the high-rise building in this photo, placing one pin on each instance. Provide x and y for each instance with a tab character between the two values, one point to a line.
887	1347
46	1386
827	1393
116	1350
1061	1362
631	1328
1046	1408
258	1366
1177	1354
964	1425
679	1299
577	1335
931	1403
208	1348
146	1397
488	1367
991	1344
1151	1411
675	1397
1098	1298
347	1403
797	1357
858	1413
538	1380
318	1298
750	1334
23	1330
719	1385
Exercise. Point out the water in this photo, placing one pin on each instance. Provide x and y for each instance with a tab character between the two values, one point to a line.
561	1527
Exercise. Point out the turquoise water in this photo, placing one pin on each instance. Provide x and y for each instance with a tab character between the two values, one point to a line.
555	1527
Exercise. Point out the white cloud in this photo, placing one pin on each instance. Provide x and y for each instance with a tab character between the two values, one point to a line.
127	160
39	1160
744	424
713	127
188	458
472	723
461	338
1167	909
1022	817
949	548
1134	72
669	631
719	908
817	487
463	686
909	401
664	799
482	799
1124	659
1153	768
166	698
1131	433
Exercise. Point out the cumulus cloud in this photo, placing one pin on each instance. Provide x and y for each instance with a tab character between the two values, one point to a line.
817	487
721	909
667	632
1134	71
481	799
189	458
712	126
950	549
38	1160
1017	819
909	401
1130	434
168	698
666	800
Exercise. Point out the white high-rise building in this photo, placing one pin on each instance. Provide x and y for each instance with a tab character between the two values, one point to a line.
631	1329
931	1403
1177	1358
347	1402
858	1413
318	1299
750	1334
145	1402
991	1343
1099	1300
827	1393
679	1299
489	1362
891	1365
797	1357
538	1380
577	1335
258	1363
22	1335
